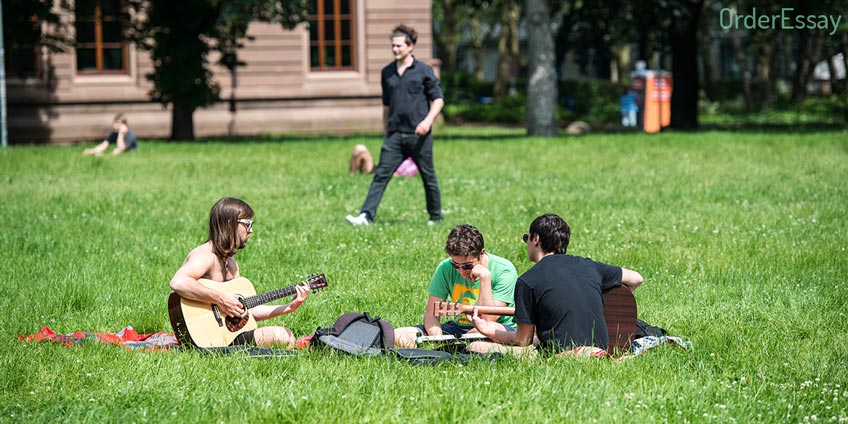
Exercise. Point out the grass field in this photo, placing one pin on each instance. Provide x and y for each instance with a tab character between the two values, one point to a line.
740	237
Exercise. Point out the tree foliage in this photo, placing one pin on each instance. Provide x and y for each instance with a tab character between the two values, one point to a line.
180	35
22	23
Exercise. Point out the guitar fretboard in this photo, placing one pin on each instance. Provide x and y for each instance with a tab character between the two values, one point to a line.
263	298
316	282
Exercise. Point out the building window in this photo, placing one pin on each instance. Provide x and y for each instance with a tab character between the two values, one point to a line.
331	35
100	36
22	49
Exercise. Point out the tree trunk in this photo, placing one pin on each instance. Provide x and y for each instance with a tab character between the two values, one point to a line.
786	43
507	46
843	46
561	46
744	69
684	64
450	41
644	46
799	88
502	74
835	86
768	70
477	46
812	57
707	60
182	122
622	59
542	81
602	60
448	37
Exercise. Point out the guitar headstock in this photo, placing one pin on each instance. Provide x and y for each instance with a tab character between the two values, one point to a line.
442	309
316	282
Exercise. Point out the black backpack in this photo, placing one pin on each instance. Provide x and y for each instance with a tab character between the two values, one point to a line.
358	334
361	334
644	329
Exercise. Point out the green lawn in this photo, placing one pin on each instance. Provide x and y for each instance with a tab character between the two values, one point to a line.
740	237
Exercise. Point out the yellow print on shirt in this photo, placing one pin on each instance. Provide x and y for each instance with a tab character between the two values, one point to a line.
466	296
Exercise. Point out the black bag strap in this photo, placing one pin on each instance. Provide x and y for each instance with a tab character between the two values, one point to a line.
343	321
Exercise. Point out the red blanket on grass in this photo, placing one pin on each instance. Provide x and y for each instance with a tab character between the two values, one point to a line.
127	338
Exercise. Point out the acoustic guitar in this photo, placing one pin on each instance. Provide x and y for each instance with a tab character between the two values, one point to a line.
204	325
619	314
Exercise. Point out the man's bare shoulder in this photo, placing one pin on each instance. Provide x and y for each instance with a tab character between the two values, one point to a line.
201	257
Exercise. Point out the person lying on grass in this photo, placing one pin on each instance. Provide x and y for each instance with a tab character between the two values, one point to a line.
470	276
558	299
121	136
230	226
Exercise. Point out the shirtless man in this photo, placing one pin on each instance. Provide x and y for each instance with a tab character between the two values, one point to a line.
230	226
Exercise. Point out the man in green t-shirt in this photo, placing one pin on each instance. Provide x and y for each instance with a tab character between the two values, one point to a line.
471	276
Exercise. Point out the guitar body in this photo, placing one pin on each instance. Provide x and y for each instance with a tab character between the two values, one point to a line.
203	325
620	315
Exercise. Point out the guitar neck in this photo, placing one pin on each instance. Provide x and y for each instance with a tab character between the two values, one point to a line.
315	283
263	298
443	308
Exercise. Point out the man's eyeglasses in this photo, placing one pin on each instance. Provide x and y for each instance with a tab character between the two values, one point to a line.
247	223
468	266
525	237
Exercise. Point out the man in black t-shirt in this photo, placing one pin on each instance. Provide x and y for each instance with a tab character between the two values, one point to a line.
559	298
412	100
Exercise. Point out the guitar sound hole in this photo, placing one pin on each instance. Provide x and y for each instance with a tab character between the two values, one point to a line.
236	323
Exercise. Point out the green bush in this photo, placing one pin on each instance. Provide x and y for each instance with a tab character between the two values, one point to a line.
815	110
510	110
463	87
594	101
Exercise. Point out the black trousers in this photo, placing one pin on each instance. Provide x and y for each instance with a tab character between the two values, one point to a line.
397	147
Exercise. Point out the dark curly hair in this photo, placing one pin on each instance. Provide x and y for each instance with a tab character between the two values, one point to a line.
407	31
464	240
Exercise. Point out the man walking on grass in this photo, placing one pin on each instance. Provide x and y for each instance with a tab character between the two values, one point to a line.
412	100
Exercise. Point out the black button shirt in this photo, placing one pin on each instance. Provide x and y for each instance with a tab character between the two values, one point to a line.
408	96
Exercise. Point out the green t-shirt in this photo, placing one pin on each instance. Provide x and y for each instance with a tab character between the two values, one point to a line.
447	283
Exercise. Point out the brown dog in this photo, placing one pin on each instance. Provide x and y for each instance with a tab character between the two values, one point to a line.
361	160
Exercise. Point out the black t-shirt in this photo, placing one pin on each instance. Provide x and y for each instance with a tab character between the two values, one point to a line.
561	296
408	96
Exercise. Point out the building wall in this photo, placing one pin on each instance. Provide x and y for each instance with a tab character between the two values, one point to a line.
276	92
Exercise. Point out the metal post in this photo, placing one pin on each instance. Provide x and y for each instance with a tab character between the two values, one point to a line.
2	82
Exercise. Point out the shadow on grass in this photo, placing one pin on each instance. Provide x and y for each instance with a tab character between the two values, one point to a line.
484	134
488	133
782	128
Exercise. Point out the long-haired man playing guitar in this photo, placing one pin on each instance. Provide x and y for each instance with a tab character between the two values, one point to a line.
230	227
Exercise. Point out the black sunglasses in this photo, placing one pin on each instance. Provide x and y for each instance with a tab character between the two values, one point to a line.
525	237
466	266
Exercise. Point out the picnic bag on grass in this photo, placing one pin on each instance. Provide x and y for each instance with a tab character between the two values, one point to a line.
644	329
361	334
358	334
